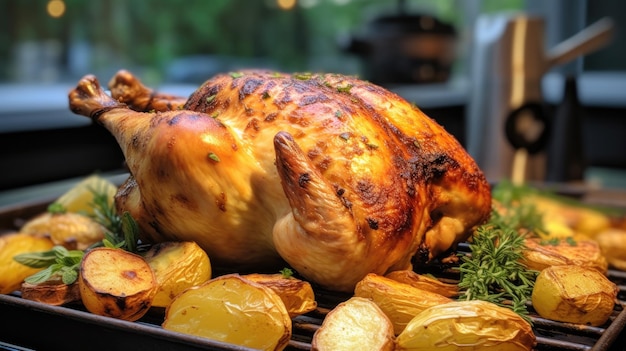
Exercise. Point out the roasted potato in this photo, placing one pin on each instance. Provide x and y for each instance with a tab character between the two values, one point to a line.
424	282
467	325
177	266
578	251
72	230
231	309
575	215
356	324
116	283
51	292
13	273
80	197
612	242
400	301
297	294
574	294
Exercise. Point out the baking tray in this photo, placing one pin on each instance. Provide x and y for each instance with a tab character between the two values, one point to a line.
29	325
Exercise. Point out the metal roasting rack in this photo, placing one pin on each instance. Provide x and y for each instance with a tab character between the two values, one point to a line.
29	325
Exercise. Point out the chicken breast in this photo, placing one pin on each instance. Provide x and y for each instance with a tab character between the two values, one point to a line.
334	176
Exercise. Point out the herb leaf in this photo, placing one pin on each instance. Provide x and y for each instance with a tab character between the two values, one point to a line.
58	261
303	76
213	157
69	275
344	89
39	277
56	207
36	259
130	229
286	272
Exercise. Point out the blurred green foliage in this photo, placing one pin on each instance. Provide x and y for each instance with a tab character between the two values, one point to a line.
152	33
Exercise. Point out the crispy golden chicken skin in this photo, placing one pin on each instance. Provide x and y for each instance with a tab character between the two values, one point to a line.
335	176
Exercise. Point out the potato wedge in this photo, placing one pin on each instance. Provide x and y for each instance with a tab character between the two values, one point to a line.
71	230
297	294
177	266
116	283
580	251
52	292
424	282
356	324
574	294
231	309
400	301
467	325
612	242
13	273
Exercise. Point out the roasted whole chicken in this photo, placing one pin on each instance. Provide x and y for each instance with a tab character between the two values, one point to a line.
334	176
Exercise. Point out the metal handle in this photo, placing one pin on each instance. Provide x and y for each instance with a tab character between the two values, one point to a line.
589	39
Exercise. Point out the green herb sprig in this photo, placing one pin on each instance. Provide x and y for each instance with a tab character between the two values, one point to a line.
58	261
286	272
521	214
493	271
56	208
121	231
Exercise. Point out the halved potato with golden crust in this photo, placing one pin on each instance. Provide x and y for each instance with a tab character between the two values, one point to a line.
612	242
52	292
574	294
577	251
424	282
355	324
297	294
13	273
116	283
177	265
400	301
231	309
467	325
72	230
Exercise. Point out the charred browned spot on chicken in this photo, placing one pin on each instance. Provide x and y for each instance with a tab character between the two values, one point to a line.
332	175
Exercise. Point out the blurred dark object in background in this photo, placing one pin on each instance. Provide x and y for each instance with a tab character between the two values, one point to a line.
566	151
40	156
405	48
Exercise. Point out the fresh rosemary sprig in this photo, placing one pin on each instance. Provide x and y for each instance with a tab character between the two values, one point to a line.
493	271
120	231
105	212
